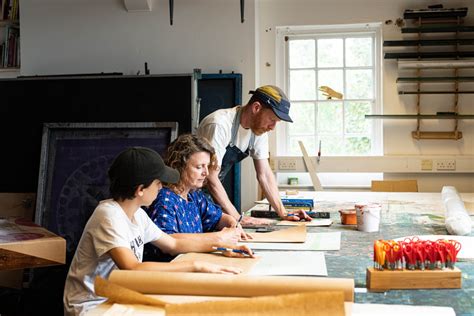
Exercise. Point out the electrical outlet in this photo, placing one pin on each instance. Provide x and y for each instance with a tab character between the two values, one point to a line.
427	164
287	164
446	164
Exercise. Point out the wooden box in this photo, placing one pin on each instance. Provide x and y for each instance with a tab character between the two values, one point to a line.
379	281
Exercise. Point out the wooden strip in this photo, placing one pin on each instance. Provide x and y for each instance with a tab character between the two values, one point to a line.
413	279
428	55
436	135
438	29
311	169
434	79
421	116
434	42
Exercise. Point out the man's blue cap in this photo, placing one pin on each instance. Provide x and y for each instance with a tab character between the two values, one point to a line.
276	99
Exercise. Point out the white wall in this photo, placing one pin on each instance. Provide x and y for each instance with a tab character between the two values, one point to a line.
90	36
87	36
397	134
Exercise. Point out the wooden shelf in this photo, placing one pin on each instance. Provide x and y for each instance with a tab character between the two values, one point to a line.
454	135
432	13
433	42
435	64
429	55
441	28
434	79
435	92
421	116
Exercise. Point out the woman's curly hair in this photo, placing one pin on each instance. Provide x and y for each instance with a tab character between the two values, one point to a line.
179	152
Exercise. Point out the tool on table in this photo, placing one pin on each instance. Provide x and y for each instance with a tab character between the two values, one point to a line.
413	253
452	249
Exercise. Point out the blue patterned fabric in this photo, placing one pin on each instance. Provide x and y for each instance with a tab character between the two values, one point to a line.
172	214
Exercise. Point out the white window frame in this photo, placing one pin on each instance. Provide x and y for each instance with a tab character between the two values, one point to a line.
343	31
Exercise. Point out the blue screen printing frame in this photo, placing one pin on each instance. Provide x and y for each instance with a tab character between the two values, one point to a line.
75	158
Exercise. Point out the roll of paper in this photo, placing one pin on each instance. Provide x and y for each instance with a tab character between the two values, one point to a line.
457	219
183	283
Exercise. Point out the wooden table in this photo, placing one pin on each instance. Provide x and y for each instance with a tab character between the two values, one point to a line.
403	214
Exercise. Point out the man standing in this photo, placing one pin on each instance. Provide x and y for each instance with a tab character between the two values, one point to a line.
241	131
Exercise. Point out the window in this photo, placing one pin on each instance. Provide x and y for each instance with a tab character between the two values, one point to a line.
346	59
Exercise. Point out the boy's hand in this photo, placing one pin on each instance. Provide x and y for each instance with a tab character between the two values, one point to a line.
206	267
246	252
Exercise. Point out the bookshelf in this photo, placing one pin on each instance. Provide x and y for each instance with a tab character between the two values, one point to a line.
9	37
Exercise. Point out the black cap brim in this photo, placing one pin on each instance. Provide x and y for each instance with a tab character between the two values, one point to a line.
169	175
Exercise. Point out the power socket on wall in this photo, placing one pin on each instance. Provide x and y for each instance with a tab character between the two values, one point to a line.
287	164
445	164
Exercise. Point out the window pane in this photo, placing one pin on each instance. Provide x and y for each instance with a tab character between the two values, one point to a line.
332	145
354	117
302	53
329	117
309	144
358	52
303	119
331	78
357	146
359	84
330	52
302	85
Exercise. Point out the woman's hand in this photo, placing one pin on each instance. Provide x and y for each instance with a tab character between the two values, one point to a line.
297	215
206	267
243	234
229	235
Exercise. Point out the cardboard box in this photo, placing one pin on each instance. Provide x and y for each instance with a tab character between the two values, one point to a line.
15	204
23	244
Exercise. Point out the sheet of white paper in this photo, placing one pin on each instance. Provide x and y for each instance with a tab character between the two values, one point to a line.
397	310
314	242
290	263
467	243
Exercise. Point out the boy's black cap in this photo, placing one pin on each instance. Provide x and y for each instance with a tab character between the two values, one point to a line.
276	99
139	165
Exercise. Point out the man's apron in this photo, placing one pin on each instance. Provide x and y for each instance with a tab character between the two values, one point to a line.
233	154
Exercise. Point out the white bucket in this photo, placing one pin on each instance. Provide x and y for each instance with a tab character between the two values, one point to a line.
368	216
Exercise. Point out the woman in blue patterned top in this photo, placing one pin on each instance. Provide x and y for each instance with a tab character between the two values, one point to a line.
182	209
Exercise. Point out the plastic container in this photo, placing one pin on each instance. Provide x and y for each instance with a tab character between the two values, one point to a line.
348	216
368	216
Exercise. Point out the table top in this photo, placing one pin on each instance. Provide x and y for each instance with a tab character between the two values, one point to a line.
403	214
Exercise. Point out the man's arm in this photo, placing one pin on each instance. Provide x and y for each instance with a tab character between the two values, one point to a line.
267	182
220	195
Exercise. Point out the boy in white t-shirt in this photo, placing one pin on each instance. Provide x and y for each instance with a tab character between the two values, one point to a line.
115	234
